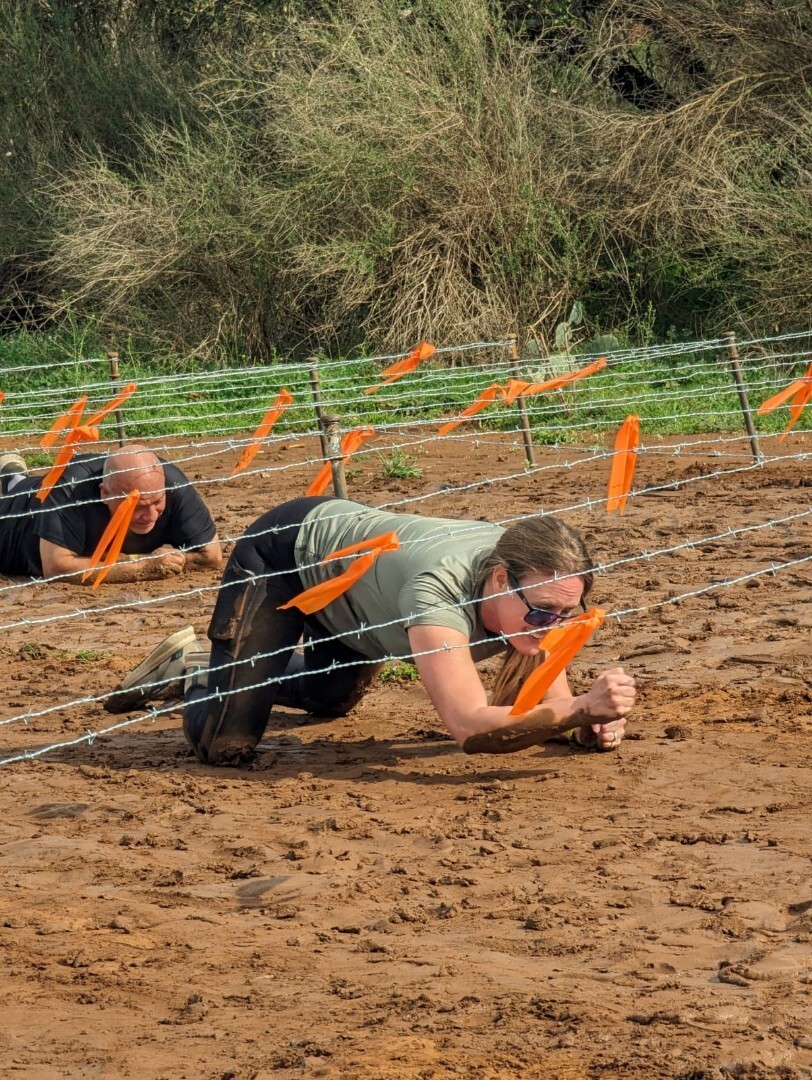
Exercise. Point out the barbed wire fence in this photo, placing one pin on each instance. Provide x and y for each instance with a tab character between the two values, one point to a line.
649	381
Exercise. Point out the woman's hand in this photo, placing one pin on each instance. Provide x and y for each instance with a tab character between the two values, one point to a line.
610	698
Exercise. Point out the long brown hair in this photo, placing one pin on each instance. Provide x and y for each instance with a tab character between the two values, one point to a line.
535	545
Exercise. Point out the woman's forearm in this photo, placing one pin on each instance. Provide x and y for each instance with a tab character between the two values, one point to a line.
511	734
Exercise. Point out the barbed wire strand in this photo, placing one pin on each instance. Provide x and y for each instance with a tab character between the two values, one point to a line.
153	714
589	503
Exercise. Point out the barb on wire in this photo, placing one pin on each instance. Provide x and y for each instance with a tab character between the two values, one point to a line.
599	568
153	714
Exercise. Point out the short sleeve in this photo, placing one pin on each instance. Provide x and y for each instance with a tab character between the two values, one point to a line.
427	601
190	525
62	521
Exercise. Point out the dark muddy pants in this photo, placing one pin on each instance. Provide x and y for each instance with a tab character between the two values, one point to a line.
248	627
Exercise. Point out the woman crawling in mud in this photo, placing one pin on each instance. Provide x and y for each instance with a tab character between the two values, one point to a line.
445	594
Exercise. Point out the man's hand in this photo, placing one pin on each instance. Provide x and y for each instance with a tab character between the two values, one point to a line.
165	562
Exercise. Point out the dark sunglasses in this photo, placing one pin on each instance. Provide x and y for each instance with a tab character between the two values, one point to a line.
536	616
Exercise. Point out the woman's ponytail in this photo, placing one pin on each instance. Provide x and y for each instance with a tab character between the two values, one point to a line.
516	667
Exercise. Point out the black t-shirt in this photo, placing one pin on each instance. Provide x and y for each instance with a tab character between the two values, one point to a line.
74	517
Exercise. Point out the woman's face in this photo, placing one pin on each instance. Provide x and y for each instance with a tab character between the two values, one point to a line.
540	590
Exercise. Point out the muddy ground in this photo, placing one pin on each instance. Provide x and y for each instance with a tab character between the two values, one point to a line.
365	900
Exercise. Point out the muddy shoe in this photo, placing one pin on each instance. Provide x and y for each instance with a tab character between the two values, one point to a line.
196	672
12	469
159	676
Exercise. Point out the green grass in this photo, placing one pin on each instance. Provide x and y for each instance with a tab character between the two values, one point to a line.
687	394
399	465
398	671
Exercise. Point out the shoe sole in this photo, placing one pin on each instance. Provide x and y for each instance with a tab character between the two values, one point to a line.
128	694
11	464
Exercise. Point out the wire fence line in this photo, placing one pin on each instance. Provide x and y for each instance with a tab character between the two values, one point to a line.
233	379
233	445
640	354
157	712
589	503
419	386
528	470
297	371
434	386
439	400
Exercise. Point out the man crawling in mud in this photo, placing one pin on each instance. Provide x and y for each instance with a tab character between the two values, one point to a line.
56	537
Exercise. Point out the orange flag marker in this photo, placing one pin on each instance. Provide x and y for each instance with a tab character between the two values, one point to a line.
561	644
87	432
83	433
424	351
516	387
119	399
627	441
109	547
349	444
565	380
798	393
319	596
785	394
269	419
796	407
69	419
487	397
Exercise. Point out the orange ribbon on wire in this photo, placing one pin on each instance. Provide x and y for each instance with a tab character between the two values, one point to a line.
349	444
621	474
424	351
109	547
487	397
80	434
798	393
517	387
561	644
263	430
119	399
77	433
319	596
69	420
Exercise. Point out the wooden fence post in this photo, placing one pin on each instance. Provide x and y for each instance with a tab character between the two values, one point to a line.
527	434
114	378
735	367
332	434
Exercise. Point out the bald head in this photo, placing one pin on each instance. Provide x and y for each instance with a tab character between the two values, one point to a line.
135	468
132	466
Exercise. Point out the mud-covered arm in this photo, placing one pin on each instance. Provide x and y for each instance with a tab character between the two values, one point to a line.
60	562
453	684
207	557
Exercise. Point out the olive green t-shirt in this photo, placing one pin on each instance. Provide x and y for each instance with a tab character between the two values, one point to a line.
431	580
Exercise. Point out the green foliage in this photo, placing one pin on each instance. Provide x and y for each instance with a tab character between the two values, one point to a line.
398	671
399	465
241	177
90	656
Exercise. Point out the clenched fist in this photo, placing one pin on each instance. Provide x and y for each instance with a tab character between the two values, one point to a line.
609	700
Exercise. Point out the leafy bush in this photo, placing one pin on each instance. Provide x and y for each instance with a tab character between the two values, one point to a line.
247	176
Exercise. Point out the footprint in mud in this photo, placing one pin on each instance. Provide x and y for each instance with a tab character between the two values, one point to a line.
793	964
58	810
252	892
